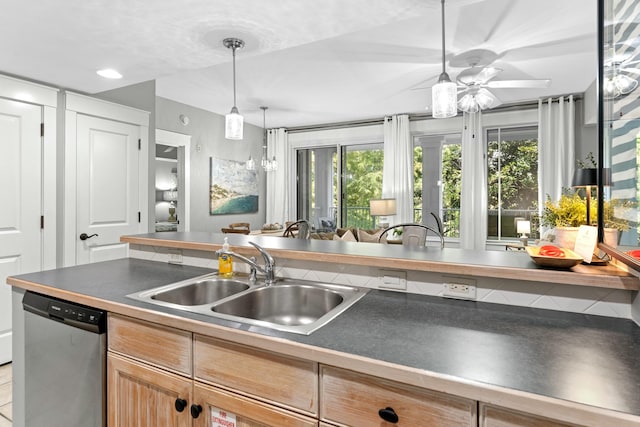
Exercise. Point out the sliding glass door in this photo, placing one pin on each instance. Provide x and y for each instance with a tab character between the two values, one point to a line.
361	182
335	185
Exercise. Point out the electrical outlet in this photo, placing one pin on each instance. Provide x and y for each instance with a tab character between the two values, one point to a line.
175	256
460	289
392	279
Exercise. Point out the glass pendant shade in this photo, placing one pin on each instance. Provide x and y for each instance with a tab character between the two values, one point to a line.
444	98
250	164
233	125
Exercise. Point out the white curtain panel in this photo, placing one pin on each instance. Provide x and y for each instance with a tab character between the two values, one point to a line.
473	203
277	184
397	172
556	142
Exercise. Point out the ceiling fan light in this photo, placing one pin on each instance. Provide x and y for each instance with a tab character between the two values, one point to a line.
443	98
609	88
625	84
468	104
485	99
233	124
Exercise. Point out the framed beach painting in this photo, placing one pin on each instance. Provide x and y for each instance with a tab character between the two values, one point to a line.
233	188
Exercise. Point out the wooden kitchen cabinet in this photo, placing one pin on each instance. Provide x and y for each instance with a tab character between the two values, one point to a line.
167	348
352	399
143	396
142	392
493	416
271	377
244	411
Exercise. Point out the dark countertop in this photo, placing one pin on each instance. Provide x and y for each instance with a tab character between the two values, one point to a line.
590	360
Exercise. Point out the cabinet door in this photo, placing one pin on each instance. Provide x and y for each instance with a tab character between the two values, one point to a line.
221	407
492	416
353	399
143	396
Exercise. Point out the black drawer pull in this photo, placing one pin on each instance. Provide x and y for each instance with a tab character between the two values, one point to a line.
388	414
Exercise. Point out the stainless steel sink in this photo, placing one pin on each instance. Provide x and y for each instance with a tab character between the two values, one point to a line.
285	304
289	305
201	292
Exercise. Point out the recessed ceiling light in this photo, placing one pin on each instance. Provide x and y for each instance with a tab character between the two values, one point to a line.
108	73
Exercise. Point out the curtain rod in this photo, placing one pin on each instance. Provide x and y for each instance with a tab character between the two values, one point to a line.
416	117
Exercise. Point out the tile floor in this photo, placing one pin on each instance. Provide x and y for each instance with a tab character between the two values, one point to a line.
5	395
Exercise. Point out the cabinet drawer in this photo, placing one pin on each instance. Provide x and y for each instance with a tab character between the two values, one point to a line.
272	377
247	412
349	398
156	344
492	416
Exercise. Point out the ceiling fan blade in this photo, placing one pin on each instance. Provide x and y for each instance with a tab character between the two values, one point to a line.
477	75
631	70
519	84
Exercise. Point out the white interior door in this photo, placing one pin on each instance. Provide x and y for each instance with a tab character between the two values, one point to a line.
21	177
107	196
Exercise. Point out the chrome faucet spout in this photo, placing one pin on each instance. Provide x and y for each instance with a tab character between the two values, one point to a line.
269	263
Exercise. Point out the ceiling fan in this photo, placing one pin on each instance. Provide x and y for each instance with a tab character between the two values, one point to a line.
615	83
475	82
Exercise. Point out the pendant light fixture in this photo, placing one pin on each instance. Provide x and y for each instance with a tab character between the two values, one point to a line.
269	165
444	93
233	121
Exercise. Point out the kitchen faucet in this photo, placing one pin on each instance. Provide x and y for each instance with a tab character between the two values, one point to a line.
269	263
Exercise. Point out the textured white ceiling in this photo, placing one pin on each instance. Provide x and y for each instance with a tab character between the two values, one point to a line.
309	61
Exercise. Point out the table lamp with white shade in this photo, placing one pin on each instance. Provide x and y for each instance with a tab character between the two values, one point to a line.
382	208
523	228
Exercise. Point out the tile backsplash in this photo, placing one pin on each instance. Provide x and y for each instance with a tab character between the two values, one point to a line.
576	299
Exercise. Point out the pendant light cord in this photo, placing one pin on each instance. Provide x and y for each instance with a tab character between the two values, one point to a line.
233	48
443	56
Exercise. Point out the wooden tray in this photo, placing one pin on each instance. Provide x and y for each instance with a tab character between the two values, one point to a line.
569	260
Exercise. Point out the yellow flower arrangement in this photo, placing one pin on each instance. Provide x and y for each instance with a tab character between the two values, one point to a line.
571	211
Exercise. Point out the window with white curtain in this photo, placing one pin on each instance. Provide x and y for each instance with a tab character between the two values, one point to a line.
438	180
512	161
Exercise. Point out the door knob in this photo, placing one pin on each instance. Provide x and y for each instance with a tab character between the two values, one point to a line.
84	236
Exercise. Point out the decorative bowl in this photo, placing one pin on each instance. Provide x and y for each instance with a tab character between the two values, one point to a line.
569	259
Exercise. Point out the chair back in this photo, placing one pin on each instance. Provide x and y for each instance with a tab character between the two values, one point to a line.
438	222
413	234
299	229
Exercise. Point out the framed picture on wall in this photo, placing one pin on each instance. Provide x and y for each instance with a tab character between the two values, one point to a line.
233	189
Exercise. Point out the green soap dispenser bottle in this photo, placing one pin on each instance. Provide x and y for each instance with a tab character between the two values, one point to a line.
225	263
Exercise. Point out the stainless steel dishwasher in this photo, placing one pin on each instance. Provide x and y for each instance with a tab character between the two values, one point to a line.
65	363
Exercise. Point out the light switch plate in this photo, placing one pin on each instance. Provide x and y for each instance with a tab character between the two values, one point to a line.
393	279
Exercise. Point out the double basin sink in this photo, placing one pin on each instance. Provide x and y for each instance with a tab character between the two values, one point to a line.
289	305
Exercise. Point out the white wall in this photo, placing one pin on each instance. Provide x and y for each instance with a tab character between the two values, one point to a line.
207	140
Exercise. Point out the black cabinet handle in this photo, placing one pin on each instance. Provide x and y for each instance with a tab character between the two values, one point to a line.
195	410
85	236
388	414
180	404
